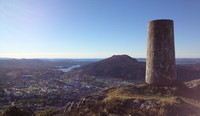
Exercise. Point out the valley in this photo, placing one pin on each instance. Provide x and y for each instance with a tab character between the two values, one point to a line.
37	85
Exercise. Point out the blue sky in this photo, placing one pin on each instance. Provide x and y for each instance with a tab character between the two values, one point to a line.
93	28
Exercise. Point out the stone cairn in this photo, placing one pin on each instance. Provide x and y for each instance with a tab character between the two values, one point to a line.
160	64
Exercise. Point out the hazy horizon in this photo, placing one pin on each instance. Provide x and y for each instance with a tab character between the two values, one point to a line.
90	58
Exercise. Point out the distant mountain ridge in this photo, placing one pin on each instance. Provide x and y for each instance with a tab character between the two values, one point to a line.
127	68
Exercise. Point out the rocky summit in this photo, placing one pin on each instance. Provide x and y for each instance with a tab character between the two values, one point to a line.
140	100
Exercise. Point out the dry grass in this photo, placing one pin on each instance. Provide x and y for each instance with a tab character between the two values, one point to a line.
123	93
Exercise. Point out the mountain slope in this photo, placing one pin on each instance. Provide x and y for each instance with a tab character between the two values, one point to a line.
117	66
187	73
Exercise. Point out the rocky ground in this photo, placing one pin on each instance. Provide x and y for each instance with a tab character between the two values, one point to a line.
141	100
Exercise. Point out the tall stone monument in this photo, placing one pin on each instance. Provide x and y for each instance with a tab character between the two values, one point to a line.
160	64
